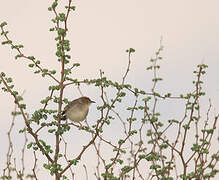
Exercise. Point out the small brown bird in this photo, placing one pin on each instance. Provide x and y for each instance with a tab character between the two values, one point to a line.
77	110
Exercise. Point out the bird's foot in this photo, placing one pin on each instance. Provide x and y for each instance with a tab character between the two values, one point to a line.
80	127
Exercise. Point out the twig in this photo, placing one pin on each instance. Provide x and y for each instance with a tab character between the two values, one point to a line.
85	169
35	165
29	129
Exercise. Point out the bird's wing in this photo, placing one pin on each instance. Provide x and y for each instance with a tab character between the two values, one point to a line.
66	109
69	105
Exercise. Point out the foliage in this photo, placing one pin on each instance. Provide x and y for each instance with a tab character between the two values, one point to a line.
146	148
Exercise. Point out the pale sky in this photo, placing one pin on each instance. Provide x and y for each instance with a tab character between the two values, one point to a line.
100	31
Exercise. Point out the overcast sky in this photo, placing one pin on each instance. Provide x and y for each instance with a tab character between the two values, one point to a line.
100	31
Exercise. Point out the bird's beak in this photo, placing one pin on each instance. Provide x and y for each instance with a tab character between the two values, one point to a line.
93	102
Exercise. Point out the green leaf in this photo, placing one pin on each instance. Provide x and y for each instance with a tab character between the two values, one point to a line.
142	156
47	166
31	57
131	50
36	72
73	8
20	46
186	126
108	166
122	94
6	42
18	56
37	62
126	169
9	80
121	141
2	74
23	106
21	130
61	31
4	33
15	93
51	130
31	65
74	161
51	29
3	24
62	17
19	98
29	145
54	4
76	64
133	132
53	71
35	148
120	161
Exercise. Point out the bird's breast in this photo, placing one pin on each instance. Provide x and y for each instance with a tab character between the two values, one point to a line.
77	114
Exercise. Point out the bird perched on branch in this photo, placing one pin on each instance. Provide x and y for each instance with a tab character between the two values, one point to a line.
77	110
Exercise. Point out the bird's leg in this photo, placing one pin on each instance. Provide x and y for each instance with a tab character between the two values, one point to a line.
66	122
80	127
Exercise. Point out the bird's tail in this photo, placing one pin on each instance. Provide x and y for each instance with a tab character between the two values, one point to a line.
63	115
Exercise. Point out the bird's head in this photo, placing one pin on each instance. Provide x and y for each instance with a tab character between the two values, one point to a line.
85	100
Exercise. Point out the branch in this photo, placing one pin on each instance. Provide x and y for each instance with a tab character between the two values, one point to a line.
29	58
29	129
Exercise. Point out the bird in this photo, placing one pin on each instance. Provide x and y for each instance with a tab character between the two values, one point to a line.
77	110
